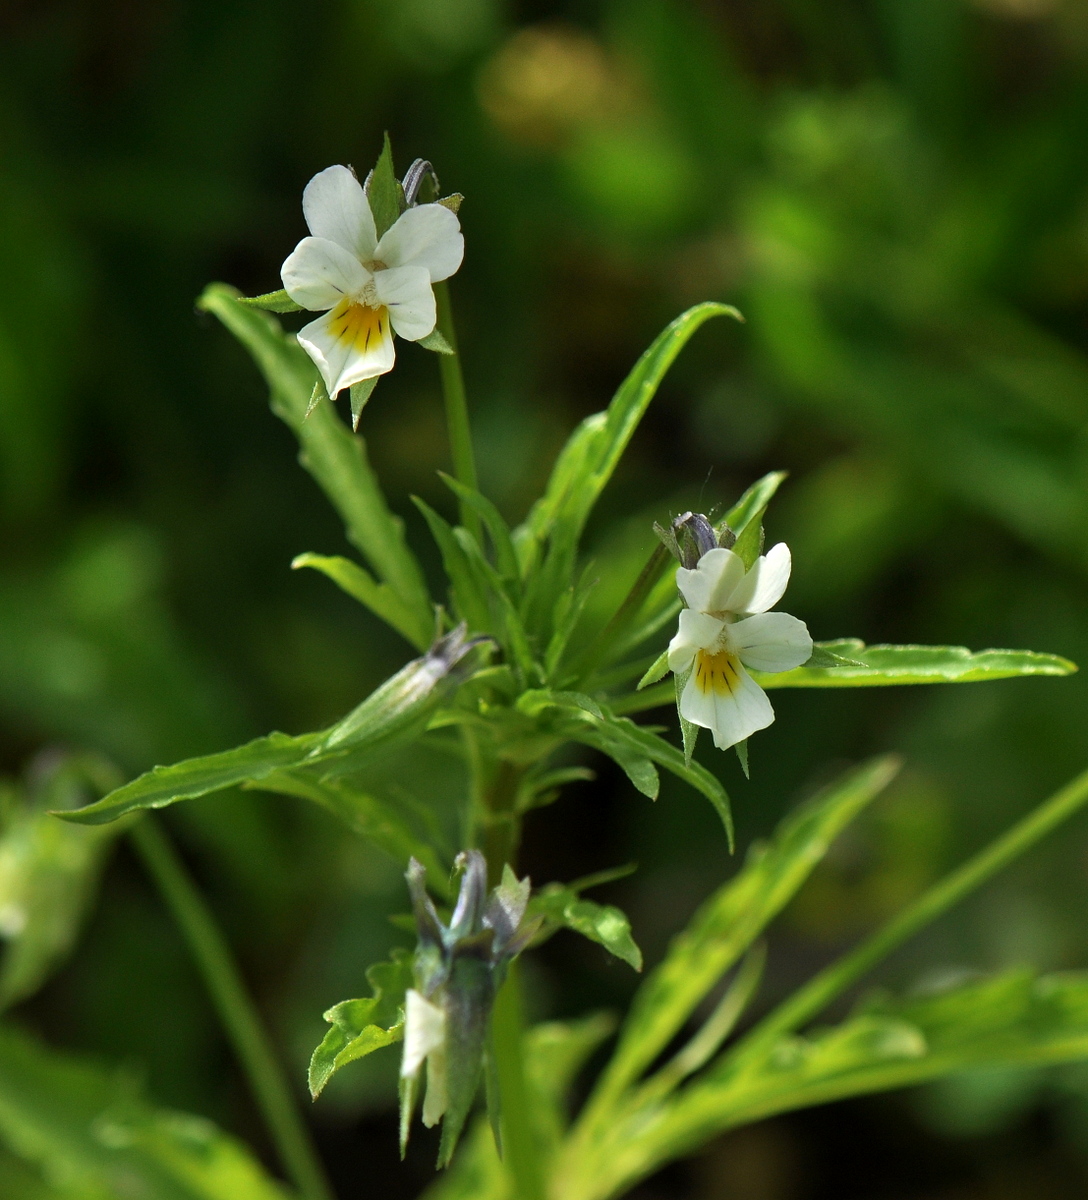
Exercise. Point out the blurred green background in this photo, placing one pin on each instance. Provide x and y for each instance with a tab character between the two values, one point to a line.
895	192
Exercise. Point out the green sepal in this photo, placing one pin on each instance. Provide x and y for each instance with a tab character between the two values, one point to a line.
360	394
658	669
453	202
561	906
277	302
742	757
749	543
436	342
470	994
359	1027
689	732
384	191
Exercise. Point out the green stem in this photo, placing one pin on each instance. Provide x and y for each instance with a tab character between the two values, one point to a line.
453	392
519	1143
811	999
236	1010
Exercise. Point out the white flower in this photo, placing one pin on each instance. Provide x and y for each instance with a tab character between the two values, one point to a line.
366	289
725	628
425	1041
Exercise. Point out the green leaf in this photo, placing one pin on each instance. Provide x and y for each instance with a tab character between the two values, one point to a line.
586	464
468	586
394	714
506	559
359	583
359	1027
579	718
604	924
335	457
92	1129
381	821
199	776
48	870
277	302
726	925
1011	1019
628	406
436	342
360	394
384	191
754	501
881	666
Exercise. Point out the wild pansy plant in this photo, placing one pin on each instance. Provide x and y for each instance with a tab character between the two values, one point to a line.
517	684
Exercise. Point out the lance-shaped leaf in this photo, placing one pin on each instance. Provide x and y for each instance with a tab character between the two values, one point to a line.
562	907
1009	1020
587	463
277	302
359	583
333	455
881	666
92	1128
728	923
636	749
391	716
359	1027
384	190
753	502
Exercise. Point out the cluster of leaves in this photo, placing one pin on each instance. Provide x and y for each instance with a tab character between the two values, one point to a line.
647	1108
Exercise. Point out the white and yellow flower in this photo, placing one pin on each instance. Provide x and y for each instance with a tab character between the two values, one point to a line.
367	289
725	628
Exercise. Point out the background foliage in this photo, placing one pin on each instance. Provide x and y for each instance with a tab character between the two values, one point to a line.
896	195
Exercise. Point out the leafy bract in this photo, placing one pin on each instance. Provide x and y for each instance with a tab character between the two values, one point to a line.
360	1027
880	666
335	457
90	1128
604	924
728	923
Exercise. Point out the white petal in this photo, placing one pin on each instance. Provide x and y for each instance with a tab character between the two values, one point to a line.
697	632
318	274
771	641
424	1031
349	344
713	580
407	293
731	713
764	584
437	1099
427	236
336	208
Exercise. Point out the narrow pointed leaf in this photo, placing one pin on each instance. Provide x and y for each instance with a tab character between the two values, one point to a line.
881	666
360	393
384	191
378	597
435	342
335	457
359	1027
730	921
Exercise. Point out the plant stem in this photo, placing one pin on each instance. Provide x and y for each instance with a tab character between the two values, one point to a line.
519	1144
453	393
236	1010
811	999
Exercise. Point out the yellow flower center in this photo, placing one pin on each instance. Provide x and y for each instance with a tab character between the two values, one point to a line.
717	673
359	325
